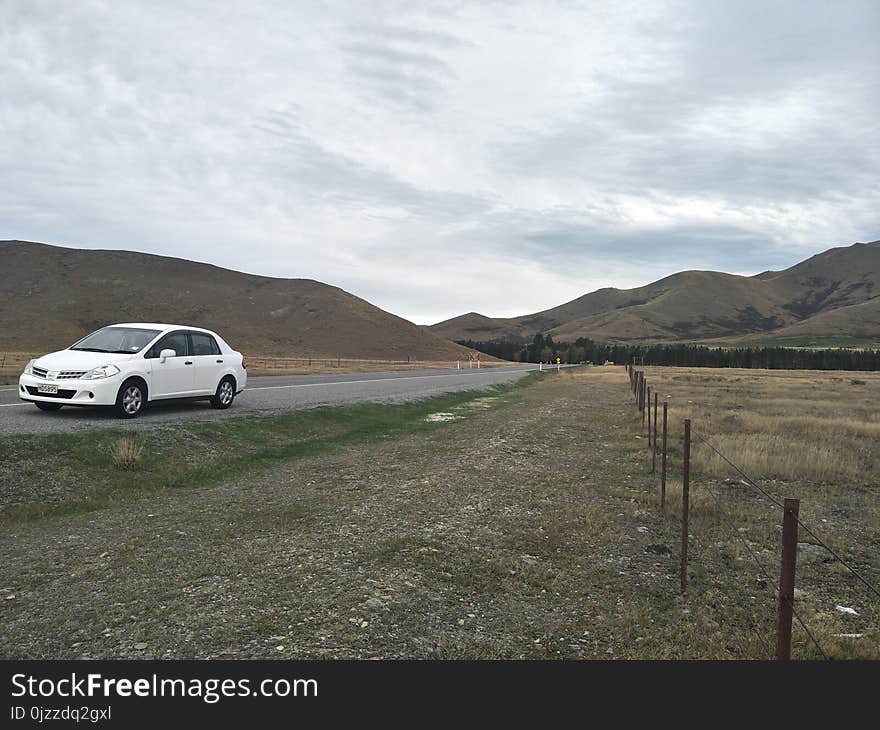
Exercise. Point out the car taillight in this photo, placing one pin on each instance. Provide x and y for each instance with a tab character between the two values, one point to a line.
244	362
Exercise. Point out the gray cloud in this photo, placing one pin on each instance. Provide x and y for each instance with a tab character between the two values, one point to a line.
444	157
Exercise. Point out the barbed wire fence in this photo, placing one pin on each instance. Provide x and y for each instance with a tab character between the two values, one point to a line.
784	586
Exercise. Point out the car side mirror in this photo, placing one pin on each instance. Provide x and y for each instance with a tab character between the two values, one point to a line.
166	354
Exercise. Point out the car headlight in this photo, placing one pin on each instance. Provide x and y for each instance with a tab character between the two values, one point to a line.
105	371
29	368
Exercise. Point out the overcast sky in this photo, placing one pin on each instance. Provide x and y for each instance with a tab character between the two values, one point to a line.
438	158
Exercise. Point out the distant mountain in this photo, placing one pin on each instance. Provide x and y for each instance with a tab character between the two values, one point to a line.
835	293
52	296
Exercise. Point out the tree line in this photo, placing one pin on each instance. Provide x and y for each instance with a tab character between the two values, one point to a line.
545	349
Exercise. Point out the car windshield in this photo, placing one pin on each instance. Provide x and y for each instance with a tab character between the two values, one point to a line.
121	340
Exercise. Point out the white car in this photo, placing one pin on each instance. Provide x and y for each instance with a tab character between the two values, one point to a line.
129	365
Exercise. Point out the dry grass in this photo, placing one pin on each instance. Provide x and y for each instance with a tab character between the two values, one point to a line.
127	454
809	435
11	365
317	365
821	426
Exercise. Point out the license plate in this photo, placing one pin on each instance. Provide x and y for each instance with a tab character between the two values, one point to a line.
48	389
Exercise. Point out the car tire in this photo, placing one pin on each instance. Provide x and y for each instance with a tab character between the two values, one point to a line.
225	393
48	406
132	399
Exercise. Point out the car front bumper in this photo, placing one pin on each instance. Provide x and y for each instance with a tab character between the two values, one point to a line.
100	392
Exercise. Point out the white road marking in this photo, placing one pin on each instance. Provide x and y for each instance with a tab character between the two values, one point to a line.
4	389
378	380
10	405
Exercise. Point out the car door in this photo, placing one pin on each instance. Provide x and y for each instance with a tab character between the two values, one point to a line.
208	362
175	377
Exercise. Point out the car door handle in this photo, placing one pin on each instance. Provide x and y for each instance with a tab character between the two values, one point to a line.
188	362
219	361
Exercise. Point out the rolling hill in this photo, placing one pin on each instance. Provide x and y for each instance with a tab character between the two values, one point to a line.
52	296
835	293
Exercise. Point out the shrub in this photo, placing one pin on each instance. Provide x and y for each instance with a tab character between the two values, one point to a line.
127	453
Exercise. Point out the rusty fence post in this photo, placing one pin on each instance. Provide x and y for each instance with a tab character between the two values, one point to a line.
654	444
786	579
642	387
685	504
663	459
642	401
648	409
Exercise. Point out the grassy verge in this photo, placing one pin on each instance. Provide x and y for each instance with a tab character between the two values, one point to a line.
43	476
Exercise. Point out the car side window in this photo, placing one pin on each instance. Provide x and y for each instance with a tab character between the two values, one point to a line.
203	344
176	341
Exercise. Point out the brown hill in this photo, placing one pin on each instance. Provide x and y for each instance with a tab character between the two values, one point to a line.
51	296
828	293
856	320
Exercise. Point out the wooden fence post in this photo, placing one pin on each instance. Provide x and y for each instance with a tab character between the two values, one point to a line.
643	385
654	444
786	579
663	459
685	504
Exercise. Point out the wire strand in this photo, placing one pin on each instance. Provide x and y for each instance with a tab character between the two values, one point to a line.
773	583
800	522
754	555
761	637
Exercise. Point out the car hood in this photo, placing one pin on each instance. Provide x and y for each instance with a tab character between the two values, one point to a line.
78	360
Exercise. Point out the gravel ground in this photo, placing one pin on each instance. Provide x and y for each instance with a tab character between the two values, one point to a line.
515	529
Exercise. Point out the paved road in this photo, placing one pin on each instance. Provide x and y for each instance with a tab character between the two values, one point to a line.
263	394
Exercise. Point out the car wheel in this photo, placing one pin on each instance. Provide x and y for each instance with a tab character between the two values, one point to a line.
48	406
131	399
225	393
